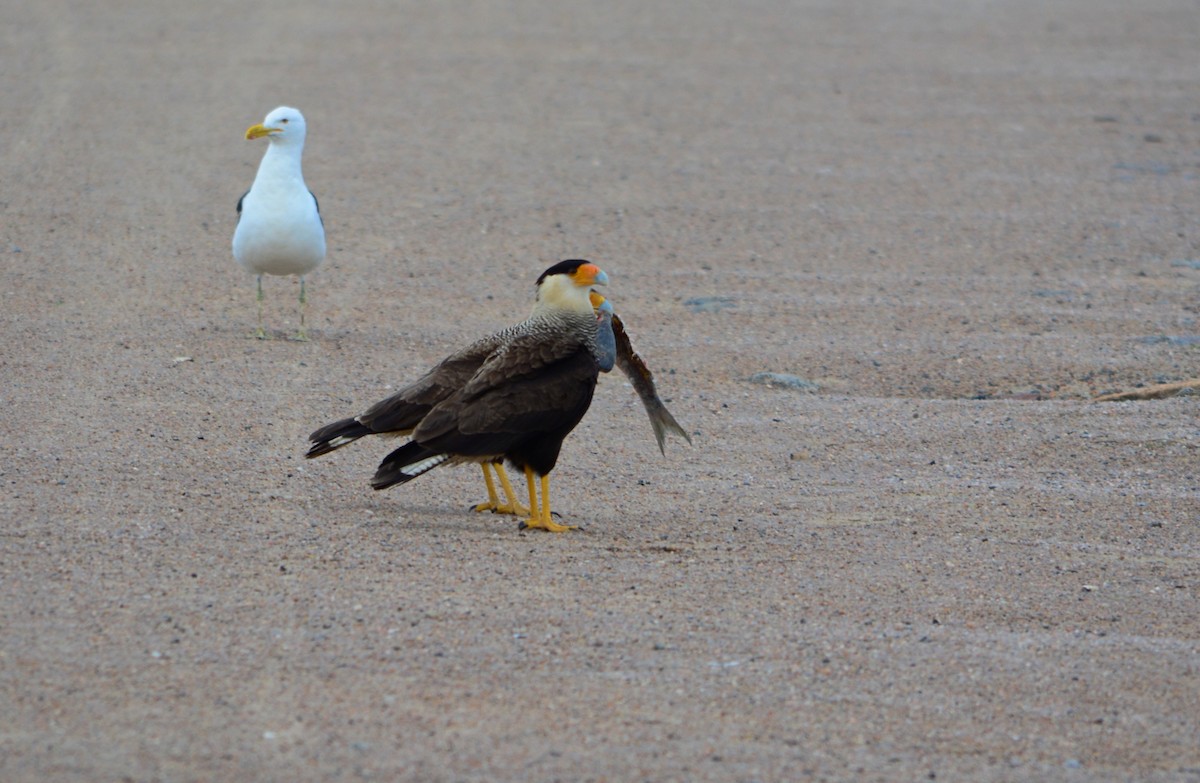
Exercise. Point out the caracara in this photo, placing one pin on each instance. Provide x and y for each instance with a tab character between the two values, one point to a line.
279	230
513	396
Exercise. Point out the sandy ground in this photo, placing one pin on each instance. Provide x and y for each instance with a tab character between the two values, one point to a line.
959	221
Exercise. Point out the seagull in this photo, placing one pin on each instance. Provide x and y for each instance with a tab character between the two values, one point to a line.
279	230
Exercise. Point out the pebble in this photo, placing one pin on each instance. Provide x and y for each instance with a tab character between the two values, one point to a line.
709	304
783	381
1180	340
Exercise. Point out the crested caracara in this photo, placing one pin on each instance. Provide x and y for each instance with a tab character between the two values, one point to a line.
512	396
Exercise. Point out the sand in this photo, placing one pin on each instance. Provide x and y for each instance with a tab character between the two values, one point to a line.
926	554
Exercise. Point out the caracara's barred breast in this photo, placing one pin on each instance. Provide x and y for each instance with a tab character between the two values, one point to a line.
544	339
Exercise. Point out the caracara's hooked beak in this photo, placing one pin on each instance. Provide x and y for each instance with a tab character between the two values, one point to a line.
588	275
260	130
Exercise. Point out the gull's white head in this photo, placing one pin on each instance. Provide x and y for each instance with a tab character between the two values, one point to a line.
284	125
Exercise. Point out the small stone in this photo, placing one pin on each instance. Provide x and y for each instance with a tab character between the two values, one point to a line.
1167	339
1053	293
709	304
783	381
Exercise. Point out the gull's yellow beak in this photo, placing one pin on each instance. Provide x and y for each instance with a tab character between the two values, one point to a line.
260	130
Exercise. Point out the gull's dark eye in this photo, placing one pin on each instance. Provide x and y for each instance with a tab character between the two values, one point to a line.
284	120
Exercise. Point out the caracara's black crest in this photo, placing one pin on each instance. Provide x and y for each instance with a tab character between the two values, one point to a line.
563	268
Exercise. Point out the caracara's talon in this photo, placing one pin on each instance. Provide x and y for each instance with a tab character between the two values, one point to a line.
544	524
502	508
493	503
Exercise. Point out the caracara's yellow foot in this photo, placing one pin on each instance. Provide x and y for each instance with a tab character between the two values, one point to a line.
301	336
545	524
540	517
503	508
493	503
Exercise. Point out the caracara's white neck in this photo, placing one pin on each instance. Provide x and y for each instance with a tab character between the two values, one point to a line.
559	293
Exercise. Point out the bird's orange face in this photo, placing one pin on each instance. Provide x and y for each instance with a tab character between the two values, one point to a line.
567	286
588	275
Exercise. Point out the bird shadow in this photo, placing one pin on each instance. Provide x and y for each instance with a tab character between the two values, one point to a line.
444	518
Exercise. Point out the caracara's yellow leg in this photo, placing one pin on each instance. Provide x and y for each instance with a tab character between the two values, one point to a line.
533	504
493	503
541	519
513	506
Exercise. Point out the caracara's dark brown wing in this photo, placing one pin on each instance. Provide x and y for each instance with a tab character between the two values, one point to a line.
532	385
643	383
402	411
553	399
524	419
